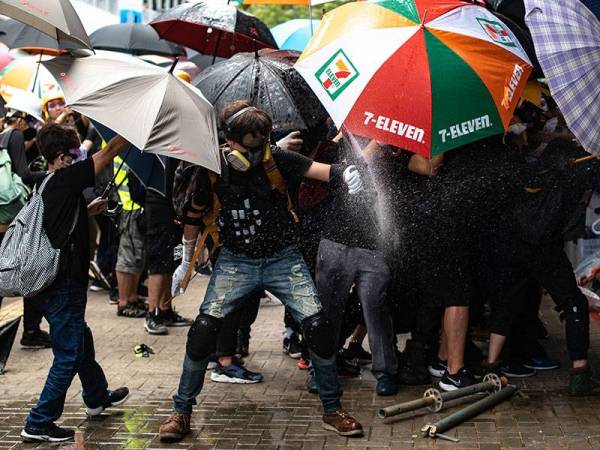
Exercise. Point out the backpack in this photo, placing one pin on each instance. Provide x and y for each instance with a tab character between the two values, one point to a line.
20	273
13	192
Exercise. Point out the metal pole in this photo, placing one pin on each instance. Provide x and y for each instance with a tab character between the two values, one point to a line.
432	430
435	398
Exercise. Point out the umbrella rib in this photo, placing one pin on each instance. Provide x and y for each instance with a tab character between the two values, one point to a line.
290	96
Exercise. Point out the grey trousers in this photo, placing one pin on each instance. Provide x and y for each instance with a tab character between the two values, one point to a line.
338	268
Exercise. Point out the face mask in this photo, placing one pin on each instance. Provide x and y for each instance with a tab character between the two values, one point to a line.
517	128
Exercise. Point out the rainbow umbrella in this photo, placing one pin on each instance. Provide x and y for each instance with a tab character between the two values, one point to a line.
423	75
27	74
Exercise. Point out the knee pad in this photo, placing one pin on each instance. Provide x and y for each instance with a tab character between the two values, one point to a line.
317	330
202	337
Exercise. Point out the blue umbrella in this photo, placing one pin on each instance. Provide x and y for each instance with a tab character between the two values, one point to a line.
294	34
149	168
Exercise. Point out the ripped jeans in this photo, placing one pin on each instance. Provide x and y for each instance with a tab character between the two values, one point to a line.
234	277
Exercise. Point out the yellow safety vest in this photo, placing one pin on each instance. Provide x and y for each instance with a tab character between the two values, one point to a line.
122	182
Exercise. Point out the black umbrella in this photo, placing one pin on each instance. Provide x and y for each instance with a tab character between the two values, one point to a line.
17	35
268	79
135	39
214	28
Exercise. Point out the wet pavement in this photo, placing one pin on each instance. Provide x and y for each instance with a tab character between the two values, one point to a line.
278	413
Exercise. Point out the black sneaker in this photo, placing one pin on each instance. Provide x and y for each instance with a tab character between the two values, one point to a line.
235	374
171	318
115	398
36	339
113	297
292	346
460	379
437	368
346	368
356	352
50	433
131	310
517	370
153	324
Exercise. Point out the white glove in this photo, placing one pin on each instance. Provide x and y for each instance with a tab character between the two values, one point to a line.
189	246
177	277
292	142
353	179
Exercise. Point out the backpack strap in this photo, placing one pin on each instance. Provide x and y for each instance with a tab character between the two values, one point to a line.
43	185
277	180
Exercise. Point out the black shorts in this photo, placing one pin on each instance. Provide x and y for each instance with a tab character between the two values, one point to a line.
161	240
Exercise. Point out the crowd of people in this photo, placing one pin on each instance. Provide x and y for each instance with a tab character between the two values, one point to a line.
356	238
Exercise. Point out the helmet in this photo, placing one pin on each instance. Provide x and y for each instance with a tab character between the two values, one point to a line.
25	102
48	97
182	75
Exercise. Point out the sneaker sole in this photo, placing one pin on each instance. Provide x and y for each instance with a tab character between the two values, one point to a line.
154	332
97	411
218	378
518	375
34	347
542	368
293	355
447	387
43	438
179	324
343	433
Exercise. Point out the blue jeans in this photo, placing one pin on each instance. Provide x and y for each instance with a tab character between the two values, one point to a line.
73	348
234	277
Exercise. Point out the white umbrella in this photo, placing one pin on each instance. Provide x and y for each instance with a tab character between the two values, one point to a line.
146	104
56	18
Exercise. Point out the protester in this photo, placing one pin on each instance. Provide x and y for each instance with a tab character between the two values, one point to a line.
162	236
131	256
21	122
63	303
255	224
350	252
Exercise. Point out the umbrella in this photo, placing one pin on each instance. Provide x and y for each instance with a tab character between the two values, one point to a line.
214	27
5	58
146	104
294	34
56	18
270	82
148	168
593	6
17	35
28	75
284	2
135	39
566	35
420	75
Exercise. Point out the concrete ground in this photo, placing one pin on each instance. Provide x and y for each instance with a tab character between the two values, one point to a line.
278	413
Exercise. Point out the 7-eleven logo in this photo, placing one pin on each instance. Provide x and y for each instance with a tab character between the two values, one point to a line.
497	32
336	74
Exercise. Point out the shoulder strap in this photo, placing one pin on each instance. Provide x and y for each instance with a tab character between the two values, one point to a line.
277	180
43	185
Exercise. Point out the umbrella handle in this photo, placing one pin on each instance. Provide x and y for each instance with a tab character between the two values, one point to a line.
37	71
586	158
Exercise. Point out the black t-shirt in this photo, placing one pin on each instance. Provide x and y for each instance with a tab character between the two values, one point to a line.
61	195
255	220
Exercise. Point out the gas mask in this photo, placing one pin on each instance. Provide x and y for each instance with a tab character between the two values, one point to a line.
244	161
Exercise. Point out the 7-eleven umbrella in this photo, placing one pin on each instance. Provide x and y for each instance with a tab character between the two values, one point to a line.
423	75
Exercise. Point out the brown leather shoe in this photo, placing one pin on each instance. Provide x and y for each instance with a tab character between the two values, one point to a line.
175	427
342	423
